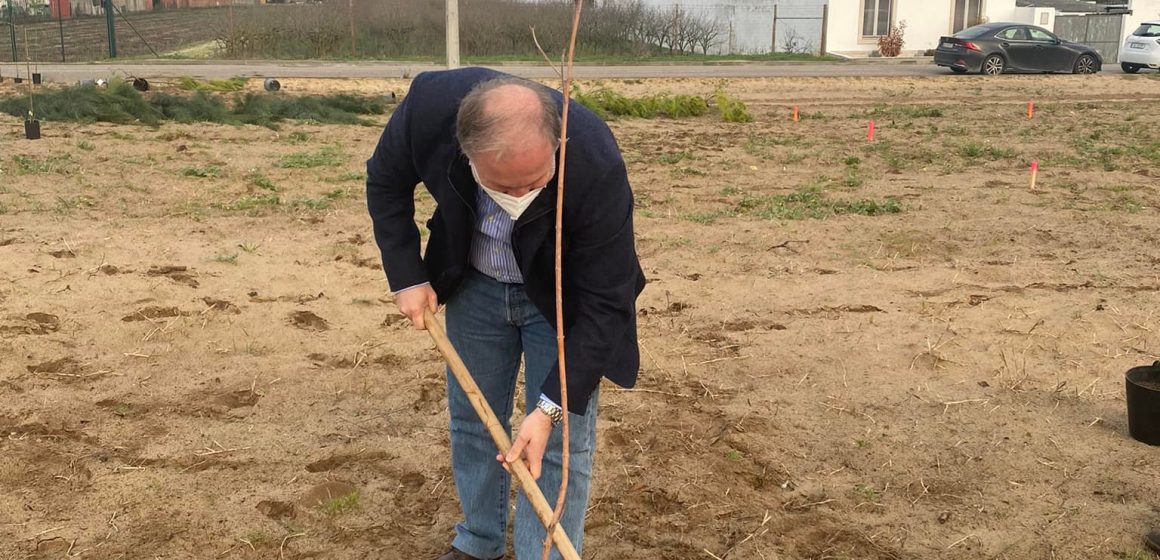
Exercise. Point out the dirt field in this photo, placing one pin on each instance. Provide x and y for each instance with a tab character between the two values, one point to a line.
893	350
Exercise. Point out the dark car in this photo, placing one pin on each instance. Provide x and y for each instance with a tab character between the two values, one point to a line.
994	48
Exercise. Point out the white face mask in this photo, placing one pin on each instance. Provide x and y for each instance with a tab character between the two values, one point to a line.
513	205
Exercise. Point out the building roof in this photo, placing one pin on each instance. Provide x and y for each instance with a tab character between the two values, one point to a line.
1068	6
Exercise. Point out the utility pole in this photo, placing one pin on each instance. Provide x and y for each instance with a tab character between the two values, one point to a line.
452	34
108	5
825	25
773	36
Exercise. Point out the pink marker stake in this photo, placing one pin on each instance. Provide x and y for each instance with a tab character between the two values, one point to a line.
1034	173
870	132
795	113
1030	110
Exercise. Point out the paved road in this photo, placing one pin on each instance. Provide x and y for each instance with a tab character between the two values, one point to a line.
221	70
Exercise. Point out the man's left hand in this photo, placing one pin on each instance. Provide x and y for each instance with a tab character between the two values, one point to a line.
530	442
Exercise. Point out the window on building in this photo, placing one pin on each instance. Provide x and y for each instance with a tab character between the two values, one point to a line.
968	13
876	17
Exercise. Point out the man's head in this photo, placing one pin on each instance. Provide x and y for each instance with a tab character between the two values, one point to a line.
509	128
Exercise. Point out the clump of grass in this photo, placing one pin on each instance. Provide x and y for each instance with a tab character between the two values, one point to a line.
868	492
975	150
812	202
207	172
325	202
329	156
56	163
227	258
903	112
298	137
674	157
607	104
121	104
732	110
191	84
261	181
249	203
86	145
348	177
340	504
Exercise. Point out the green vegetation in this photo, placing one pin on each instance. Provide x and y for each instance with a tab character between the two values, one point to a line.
902	112
120	103
207	172
608	104
340	504
732	110
61	164
329	156
191	84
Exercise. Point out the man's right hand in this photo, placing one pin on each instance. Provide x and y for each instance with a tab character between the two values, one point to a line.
412	302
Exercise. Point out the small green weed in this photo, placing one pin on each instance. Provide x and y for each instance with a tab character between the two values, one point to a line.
348	177
29	165
297	137
340	504
207	172
261	181
868	492
250	203
86	145
329	156
675	157
227	258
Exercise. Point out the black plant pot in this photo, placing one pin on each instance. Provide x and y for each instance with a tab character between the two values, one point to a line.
18	80
36	78
32	129
1143	388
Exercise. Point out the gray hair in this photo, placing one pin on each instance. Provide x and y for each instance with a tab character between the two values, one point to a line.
480	131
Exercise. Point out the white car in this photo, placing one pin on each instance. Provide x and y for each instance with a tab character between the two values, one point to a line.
1142	48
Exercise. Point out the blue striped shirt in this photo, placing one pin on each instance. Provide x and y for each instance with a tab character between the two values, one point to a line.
491	246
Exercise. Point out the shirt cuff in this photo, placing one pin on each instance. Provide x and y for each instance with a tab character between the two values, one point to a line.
408	288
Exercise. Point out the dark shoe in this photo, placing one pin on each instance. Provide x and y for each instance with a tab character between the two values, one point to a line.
1153	540
455	554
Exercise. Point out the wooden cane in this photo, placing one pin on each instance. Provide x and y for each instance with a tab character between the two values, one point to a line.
502	441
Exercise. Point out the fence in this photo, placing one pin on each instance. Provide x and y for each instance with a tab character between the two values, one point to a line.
759	26
82	38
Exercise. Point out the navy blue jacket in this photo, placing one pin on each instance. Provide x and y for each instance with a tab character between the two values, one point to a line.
602	276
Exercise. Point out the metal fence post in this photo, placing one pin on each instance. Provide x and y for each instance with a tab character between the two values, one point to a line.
12	27
108	5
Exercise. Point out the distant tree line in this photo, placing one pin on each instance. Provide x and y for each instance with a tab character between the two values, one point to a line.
415	28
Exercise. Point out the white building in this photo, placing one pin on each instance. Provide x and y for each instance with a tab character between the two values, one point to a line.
854	26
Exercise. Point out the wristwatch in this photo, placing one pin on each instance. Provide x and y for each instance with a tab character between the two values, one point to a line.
554	412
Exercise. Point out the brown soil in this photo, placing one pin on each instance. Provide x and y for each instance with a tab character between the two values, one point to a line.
190	368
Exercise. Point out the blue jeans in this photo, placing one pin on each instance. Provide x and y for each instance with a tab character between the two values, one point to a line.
491	324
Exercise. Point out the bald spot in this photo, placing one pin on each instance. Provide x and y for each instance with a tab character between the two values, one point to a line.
520	110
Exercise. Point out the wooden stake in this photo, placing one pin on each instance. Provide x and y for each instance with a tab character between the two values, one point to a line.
1034	173
795	113
554	526
870	132
502	441
1030	110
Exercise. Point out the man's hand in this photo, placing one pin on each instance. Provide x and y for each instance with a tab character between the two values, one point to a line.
412	302
530	442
